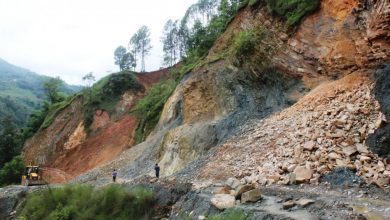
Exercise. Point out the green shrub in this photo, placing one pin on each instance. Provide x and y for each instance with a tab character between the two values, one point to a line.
243	45
12	171
106	93
149	108
252	2
231	214
84	202
292	10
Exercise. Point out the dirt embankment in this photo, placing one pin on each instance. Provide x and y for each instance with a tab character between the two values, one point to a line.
64	148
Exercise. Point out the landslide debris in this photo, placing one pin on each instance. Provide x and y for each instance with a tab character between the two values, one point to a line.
326	129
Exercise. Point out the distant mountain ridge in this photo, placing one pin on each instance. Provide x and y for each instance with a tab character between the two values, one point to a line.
21	92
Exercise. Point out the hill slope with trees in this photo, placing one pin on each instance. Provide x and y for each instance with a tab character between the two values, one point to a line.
22	92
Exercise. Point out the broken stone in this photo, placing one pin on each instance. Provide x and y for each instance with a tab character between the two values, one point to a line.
153	180
223	201
303	174
222	190
251	196
288	204
304	202
292	178
334	156
242	189
291	168
364	158
348	151
274	178
382	182
233	182
361	148
309	145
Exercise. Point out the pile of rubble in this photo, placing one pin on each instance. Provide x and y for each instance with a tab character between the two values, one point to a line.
325	130
234	193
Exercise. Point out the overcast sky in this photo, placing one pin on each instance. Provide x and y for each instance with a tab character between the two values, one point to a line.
69	38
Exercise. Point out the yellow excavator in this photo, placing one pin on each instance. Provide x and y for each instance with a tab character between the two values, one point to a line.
32	176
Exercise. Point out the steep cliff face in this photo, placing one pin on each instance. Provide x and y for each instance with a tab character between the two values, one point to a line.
65	148
343	37
301	99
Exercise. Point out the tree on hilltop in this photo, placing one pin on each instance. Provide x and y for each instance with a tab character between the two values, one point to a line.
140	43
125	60
51	88
171	45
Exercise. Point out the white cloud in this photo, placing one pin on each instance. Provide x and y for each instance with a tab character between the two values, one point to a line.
69	38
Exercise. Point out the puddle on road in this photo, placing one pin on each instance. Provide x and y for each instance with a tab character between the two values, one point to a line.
270	205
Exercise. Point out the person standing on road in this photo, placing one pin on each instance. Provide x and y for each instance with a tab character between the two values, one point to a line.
114	174
157	169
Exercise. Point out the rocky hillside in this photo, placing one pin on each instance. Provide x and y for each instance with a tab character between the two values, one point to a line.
231	111
303	104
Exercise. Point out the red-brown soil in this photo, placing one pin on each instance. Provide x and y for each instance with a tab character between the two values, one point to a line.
77	152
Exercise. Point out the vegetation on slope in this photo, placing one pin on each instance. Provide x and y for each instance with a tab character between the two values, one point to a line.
149	108
11	166
232	214
11	172
106	93
22	92
292	10
85	202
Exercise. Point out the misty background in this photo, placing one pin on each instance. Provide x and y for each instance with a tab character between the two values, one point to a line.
70	38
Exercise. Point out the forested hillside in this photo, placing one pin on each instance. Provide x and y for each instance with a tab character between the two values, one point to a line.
21	92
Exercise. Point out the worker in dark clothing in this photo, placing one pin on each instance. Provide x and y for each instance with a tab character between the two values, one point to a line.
114	174
157	169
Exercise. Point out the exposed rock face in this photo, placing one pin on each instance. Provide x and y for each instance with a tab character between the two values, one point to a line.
324	67
379	142
210	105
342	177
10	198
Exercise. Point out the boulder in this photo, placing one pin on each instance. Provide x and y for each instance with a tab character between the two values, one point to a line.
251	196
233	182
288	204
304	202
223	201
242	189
382	182
222	190
303	174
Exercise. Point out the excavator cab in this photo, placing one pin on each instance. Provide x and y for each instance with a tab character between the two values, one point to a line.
32	176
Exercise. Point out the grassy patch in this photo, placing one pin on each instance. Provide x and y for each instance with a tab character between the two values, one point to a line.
55	109
292	10
85	202
149	108
231	214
